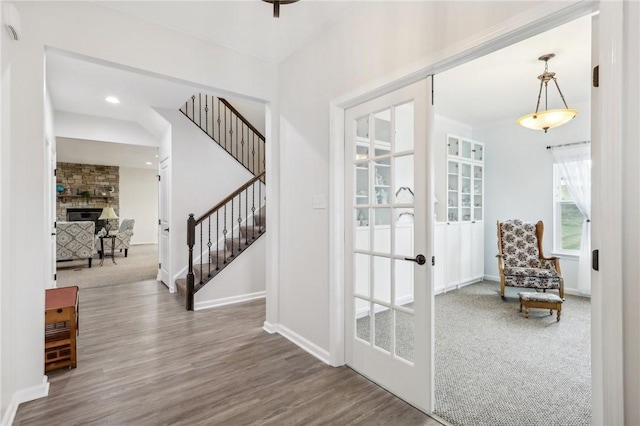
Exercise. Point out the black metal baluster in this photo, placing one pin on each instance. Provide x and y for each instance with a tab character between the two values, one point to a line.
224	234
217	239
242	144
209	247
237	139
193	108
253	210
200	253
246	216
225	128
219	141
260	205
239	221
206	113
200	110
253	153
232	250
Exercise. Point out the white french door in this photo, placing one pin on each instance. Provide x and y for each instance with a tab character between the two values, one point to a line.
388	242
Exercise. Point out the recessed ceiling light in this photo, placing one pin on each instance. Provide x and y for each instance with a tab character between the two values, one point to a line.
156	155
112	100
148	163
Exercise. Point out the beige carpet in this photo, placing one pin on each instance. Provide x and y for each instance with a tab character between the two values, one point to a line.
141	264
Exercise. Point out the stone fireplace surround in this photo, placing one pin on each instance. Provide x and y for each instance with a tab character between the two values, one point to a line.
94	179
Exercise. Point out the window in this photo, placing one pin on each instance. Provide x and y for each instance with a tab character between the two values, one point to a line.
568	220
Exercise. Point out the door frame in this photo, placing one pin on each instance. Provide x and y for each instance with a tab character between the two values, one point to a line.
167	184
607	343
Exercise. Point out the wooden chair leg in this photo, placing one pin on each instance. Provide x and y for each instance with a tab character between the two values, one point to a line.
90	259
126	252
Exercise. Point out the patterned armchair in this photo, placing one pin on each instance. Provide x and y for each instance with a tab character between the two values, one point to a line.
123	237
520	259
75	240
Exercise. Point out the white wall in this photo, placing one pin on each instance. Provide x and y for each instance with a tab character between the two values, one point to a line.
83	28
139	201
406	35
519	180
202	174
243	279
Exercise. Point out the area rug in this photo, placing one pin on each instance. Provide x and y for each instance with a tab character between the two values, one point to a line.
140	264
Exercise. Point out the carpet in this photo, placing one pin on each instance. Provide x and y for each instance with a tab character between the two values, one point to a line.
141	264
495	367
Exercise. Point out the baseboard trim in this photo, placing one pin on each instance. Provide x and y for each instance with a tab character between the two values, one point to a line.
310	347
574	292
144	243
229	300
492	278
24	395
270	328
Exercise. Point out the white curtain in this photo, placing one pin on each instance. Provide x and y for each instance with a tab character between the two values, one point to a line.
574	164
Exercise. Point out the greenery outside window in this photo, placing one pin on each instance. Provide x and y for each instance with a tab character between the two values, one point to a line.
567	218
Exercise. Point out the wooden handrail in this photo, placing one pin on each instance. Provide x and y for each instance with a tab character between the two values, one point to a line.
244	120
229	198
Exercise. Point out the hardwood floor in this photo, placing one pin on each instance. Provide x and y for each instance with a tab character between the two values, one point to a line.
144	360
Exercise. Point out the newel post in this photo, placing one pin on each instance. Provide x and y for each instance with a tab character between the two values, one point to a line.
191	240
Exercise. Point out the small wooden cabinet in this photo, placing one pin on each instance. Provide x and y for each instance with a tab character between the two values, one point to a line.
60	328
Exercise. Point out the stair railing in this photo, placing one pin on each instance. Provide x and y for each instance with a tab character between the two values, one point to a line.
242	212
229	129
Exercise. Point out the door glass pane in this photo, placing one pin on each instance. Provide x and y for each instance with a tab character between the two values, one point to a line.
403	281
362	273
382	126
382	183
405	337
466	149
404	232
362	183
363	234
382	231
403	179
404	127
478	155
363	142
382	278
453	146
363	319
382	327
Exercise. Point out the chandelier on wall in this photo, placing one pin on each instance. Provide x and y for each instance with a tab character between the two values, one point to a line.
549	118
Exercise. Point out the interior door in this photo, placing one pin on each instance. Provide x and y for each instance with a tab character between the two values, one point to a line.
388	242
163	231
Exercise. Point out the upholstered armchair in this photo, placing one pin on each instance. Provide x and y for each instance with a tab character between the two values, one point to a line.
123	237
521	262
75	240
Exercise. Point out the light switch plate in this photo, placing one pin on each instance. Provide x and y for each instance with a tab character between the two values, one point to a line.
319	201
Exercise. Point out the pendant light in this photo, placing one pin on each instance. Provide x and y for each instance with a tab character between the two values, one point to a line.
276	5
549	118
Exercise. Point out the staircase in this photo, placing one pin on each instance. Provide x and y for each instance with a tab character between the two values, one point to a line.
220	235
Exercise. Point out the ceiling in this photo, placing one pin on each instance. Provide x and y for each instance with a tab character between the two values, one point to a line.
504	84
106	153
246	26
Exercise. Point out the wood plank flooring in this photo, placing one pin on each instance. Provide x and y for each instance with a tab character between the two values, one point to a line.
144	360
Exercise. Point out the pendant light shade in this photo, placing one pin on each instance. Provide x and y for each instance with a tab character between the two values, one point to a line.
547	119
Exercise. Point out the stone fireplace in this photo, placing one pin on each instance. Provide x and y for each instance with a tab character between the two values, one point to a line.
88	188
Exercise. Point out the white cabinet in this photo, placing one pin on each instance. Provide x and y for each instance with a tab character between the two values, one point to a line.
459	242
465	179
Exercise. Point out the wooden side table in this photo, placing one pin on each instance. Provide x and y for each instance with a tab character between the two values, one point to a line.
113	244
60	328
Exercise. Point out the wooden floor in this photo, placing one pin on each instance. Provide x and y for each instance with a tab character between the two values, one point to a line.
144	360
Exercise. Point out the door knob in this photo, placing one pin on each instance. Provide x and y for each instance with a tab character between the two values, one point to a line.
419	259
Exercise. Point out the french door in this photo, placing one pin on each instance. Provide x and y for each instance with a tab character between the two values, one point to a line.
388	242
